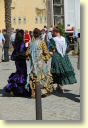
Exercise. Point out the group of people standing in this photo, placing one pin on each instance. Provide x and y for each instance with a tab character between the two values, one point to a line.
41	61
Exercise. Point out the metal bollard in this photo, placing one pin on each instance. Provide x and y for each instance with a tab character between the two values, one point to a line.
38	102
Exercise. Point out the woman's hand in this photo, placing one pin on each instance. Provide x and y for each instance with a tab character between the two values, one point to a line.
51	53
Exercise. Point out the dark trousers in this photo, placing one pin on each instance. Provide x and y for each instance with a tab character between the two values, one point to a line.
6	54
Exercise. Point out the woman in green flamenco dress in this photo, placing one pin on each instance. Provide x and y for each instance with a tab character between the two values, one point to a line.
61	67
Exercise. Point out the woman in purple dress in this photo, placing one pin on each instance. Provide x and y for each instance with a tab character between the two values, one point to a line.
18	80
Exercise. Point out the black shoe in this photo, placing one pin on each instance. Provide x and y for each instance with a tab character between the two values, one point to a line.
5	60
59	89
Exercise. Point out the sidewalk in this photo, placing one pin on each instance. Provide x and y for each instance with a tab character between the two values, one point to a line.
55	106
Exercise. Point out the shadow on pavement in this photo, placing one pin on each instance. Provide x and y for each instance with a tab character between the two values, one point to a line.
73	97
4	94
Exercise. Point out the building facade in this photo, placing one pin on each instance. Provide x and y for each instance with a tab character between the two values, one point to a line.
72	13
66	12
29	14
2	15
25	14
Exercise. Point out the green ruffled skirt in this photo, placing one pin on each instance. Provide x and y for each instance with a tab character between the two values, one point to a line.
62	70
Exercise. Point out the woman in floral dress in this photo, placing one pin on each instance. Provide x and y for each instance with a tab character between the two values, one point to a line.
39	67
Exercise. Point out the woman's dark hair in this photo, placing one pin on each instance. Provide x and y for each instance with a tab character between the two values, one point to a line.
57	30
78	35
19	38
36	32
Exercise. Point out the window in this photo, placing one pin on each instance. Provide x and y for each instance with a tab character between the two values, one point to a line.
57	1
40	20
19	20
45	20
57	10
44	1
14	20
24	20
62	1
36	20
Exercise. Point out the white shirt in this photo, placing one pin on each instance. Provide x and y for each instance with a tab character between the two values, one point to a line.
61	45
49	35
75	35
43	36
1	40
13	35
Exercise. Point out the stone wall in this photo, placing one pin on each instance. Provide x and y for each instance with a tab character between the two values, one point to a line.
2	15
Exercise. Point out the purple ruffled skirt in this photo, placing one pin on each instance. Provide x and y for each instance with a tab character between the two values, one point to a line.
17	81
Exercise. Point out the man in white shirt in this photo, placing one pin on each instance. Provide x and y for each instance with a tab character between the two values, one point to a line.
43	34
48	37
2	41
75	37
12	38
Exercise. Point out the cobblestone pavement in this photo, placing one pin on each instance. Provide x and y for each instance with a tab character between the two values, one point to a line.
55	106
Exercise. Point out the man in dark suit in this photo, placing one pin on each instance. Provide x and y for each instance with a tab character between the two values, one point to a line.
6	46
